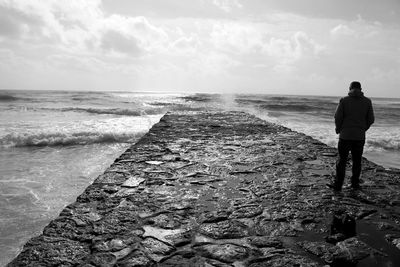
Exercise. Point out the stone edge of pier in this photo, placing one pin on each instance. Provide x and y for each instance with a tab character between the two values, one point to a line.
220	189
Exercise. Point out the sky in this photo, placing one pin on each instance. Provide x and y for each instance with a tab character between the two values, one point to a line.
298	47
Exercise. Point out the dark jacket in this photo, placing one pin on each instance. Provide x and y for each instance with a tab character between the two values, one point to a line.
354	115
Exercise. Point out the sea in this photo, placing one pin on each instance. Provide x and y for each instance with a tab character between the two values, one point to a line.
53	144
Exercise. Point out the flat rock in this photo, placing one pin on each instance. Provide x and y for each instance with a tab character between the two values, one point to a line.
223	252
190	259
175	237
49	251
133	181
156	249
283	260
349	251
247	211
265	241
136	259
224	229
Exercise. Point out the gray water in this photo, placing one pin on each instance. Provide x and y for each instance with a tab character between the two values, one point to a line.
54	144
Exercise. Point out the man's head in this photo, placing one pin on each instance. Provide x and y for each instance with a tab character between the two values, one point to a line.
355	85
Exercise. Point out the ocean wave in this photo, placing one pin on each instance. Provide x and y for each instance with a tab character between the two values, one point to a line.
251	101
200	97
66	139
286	104
161	104
386	144
7	98
294	107
117	111
83	98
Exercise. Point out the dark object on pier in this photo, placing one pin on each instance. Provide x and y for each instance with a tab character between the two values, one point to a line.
343	226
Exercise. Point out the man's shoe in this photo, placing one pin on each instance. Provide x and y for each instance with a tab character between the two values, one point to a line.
334	187
355	187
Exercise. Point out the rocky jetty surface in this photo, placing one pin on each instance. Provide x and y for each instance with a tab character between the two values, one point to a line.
224	189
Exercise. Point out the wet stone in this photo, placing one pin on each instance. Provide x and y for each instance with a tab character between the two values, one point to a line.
116	223
224	229
396	242
349	251
93	193
283	260
273	228
133	181
223	252
265	241
191	260
214	216
386	226
110	189
136	259
318	248
49	251
68	228
120	254
201	239
175	237
115	244
110	178
166	221
156	249
103	259
247	211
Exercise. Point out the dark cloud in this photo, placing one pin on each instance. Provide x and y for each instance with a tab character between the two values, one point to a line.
12	22
115	41
9	26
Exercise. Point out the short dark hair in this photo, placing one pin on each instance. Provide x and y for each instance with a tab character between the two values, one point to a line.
355	85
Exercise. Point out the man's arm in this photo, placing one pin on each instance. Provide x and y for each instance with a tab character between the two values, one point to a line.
370	115
339	117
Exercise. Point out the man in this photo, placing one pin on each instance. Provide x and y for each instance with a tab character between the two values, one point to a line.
353	117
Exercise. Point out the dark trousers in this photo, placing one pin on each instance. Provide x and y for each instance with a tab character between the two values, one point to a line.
344	147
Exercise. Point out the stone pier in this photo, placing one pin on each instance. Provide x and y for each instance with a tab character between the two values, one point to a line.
224	189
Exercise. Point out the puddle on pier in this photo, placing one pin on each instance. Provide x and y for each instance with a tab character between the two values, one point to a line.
376	239
366	233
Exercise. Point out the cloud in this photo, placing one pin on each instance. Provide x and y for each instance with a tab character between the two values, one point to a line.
185	44
78	27
228	43
116	42
76	63
236	37
227	5
63	23
342	29
287	51
148	36
13	23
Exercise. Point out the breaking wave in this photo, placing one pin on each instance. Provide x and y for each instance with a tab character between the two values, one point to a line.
386	144
66	139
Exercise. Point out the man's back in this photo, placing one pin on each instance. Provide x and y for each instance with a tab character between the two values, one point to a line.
354	116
